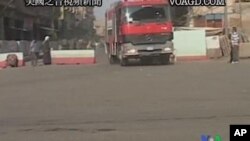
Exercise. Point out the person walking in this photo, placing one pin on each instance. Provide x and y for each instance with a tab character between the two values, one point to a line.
46	51
34	51
235	44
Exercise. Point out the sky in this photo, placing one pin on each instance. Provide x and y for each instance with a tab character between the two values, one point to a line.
100	11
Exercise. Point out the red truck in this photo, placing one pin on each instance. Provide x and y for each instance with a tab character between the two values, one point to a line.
139	29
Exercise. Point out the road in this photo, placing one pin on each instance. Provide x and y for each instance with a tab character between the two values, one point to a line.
103	102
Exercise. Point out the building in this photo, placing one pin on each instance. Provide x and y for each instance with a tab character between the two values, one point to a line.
18	22
100	27
214	16
76	22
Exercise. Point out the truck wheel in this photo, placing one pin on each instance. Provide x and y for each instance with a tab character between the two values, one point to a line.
145	61
164	59
112	59
124	62
172	59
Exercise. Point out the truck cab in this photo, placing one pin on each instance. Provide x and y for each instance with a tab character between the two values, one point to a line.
142	30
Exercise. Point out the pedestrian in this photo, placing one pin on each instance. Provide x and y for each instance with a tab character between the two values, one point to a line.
235	44
34	52
46	51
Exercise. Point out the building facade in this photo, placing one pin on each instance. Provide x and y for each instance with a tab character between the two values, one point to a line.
18	22
76	22
213	16
100	27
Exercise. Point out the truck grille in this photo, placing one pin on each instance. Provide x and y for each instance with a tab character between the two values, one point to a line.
146	39
155	50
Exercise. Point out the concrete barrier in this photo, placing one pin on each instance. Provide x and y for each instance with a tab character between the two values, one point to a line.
3	57
214	53
245	50
71	57
213	47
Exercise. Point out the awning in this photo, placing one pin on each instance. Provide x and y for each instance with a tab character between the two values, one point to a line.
48	28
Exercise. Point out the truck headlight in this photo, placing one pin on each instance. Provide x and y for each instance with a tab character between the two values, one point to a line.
132	51
167	49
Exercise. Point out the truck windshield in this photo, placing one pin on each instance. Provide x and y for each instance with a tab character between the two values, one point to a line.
146	13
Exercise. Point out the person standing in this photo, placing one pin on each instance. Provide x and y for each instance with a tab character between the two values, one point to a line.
46	51
235	44
34	51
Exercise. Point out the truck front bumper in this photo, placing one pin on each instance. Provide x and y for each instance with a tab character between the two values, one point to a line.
139	51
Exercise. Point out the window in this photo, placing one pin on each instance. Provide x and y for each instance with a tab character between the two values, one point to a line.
109	31
146	13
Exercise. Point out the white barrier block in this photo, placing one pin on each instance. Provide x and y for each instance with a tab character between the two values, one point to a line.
3	57
73	56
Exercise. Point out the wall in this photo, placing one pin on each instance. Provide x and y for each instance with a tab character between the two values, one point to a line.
245	50
214	23
203	10
200	22
209	20
24	46
190	43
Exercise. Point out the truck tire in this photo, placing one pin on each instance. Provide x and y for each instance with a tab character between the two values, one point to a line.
124	62
172	59
164	59
112	59
145	61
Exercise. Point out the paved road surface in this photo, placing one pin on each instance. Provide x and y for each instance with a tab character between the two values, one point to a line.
112	103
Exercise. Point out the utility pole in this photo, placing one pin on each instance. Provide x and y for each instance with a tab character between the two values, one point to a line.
240	12
191	17
226	19
53	23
